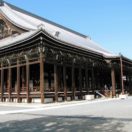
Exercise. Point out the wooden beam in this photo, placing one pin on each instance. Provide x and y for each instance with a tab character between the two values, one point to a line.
42	76
30	63
18	81
113	81
121	68
55	82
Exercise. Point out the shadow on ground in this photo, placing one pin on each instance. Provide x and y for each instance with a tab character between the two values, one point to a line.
64	124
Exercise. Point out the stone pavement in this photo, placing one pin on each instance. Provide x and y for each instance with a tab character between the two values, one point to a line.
9	108
80	116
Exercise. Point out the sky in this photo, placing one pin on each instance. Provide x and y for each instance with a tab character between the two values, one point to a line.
107	22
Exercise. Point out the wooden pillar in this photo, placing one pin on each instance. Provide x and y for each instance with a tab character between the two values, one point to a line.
9	83
65	85
2	82
18	81
122	82
93	80
86	80
27	79
80	81
23	79
113	81
42	76
73	83
129	84
55	82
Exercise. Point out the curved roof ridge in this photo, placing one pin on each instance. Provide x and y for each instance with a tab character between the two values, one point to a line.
44	19
9	15
6	42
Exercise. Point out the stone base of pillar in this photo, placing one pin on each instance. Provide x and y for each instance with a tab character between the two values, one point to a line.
48	100
7	100
83	97
69	99
36	100
60	99
24	100
76	98
123	96
89	97
14	100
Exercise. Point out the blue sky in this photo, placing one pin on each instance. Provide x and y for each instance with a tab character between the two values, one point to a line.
108	22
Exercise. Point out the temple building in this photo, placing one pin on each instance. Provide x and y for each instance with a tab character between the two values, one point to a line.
41	61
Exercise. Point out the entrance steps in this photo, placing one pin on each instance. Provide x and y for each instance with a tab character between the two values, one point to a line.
97	92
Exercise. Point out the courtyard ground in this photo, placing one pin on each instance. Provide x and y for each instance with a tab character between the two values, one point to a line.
78	116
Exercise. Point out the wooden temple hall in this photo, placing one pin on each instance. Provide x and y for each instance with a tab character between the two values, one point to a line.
41	61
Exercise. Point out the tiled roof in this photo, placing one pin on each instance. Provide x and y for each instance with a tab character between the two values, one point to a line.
31	23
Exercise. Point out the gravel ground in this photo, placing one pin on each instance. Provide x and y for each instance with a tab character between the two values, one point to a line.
107	116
